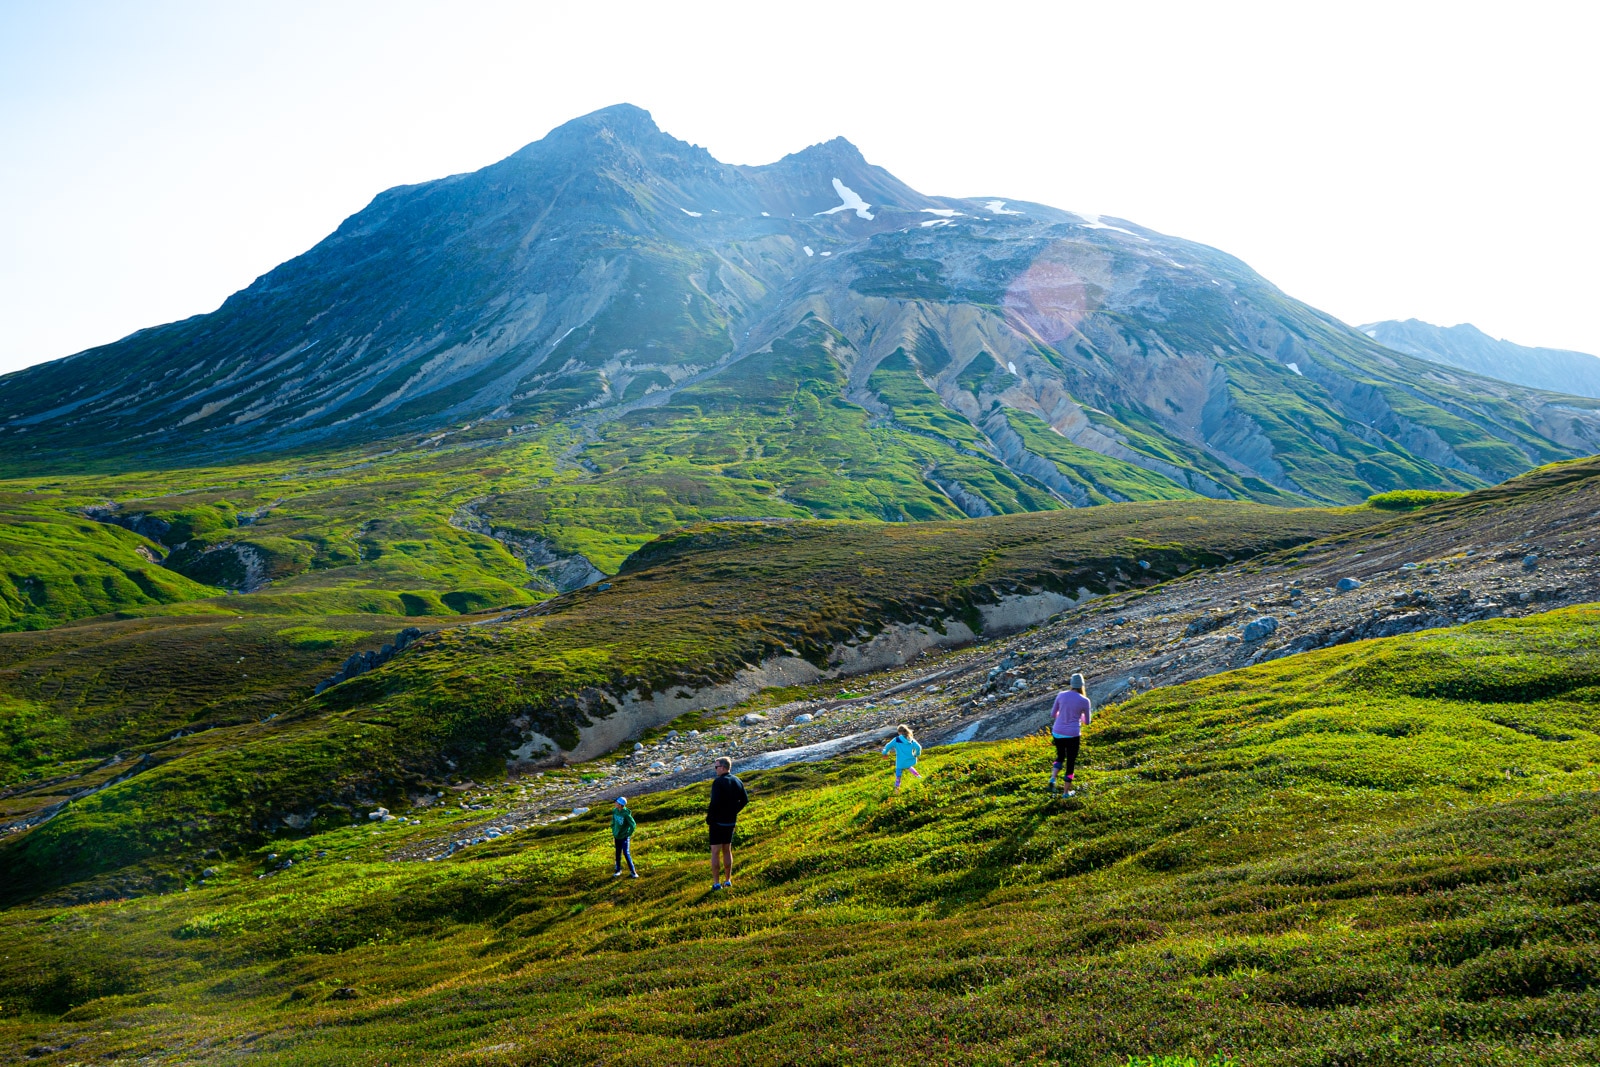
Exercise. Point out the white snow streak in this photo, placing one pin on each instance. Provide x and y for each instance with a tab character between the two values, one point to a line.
1093	222
945	211
691	214
851	201
1294	367
998	207
808	250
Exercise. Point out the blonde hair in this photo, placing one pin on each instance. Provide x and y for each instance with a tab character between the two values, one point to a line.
905	732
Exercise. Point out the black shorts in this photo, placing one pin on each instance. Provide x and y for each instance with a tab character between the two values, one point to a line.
721	835
1067	751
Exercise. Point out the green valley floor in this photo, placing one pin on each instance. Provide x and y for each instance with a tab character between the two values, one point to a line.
1378	853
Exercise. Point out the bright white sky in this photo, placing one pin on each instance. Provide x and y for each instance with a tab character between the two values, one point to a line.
1380	160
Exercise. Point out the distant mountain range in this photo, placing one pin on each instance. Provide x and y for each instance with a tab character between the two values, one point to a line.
1469	348
621	284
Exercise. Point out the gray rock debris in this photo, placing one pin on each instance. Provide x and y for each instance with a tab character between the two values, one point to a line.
1260	629
362	662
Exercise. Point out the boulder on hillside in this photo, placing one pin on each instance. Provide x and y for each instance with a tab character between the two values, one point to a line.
1260	629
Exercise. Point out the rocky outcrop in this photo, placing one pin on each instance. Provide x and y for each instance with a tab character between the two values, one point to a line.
971	504
1026	463
228	564
549	571
362	662
613	719
236	565
140	523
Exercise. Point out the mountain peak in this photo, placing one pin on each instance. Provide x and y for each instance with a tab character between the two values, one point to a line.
1469	348
623	122
610	262
837	151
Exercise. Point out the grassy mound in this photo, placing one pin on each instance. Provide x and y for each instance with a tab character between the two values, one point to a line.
1379	853
57	565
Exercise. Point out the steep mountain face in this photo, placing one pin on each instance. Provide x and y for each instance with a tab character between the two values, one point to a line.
1469	348
621	283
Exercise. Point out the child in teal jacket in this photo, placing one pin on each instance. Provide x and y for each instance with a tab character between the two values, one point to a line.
905	750
622	828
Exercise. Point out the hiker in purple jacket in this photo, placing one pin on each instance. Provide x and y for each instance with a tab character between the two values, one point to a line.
1068	716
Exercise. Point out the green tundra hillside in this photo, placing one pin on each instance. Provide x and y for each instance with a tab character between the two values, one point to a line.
1379	853
139	740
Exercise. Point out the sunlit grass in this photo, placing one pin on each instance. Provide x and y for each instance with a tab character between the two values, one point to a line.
1371	854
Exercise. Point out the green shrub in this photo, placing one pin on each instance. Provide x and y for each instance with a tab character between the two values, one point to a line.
1408	499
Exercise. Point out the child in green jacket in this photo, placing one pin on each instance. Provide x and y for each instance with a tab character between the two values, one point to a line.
622	828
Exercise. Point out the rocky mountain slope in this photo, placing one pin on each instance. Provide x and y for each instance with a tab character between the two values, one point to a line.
1469	348
626	287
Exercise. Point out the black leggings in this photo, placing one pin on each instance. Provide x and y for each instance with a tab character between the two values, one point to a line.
1066	752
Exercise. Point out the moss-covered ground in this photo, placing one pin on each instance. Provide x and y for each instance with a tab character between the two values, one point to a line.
1381	853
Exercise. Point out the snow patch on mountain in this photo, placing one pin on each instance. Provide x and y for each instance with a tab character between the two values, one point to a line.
850	201
1093	222
998	207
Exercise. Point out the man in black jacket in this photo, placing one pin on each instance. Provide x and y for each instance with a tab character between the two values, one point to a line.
728	798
